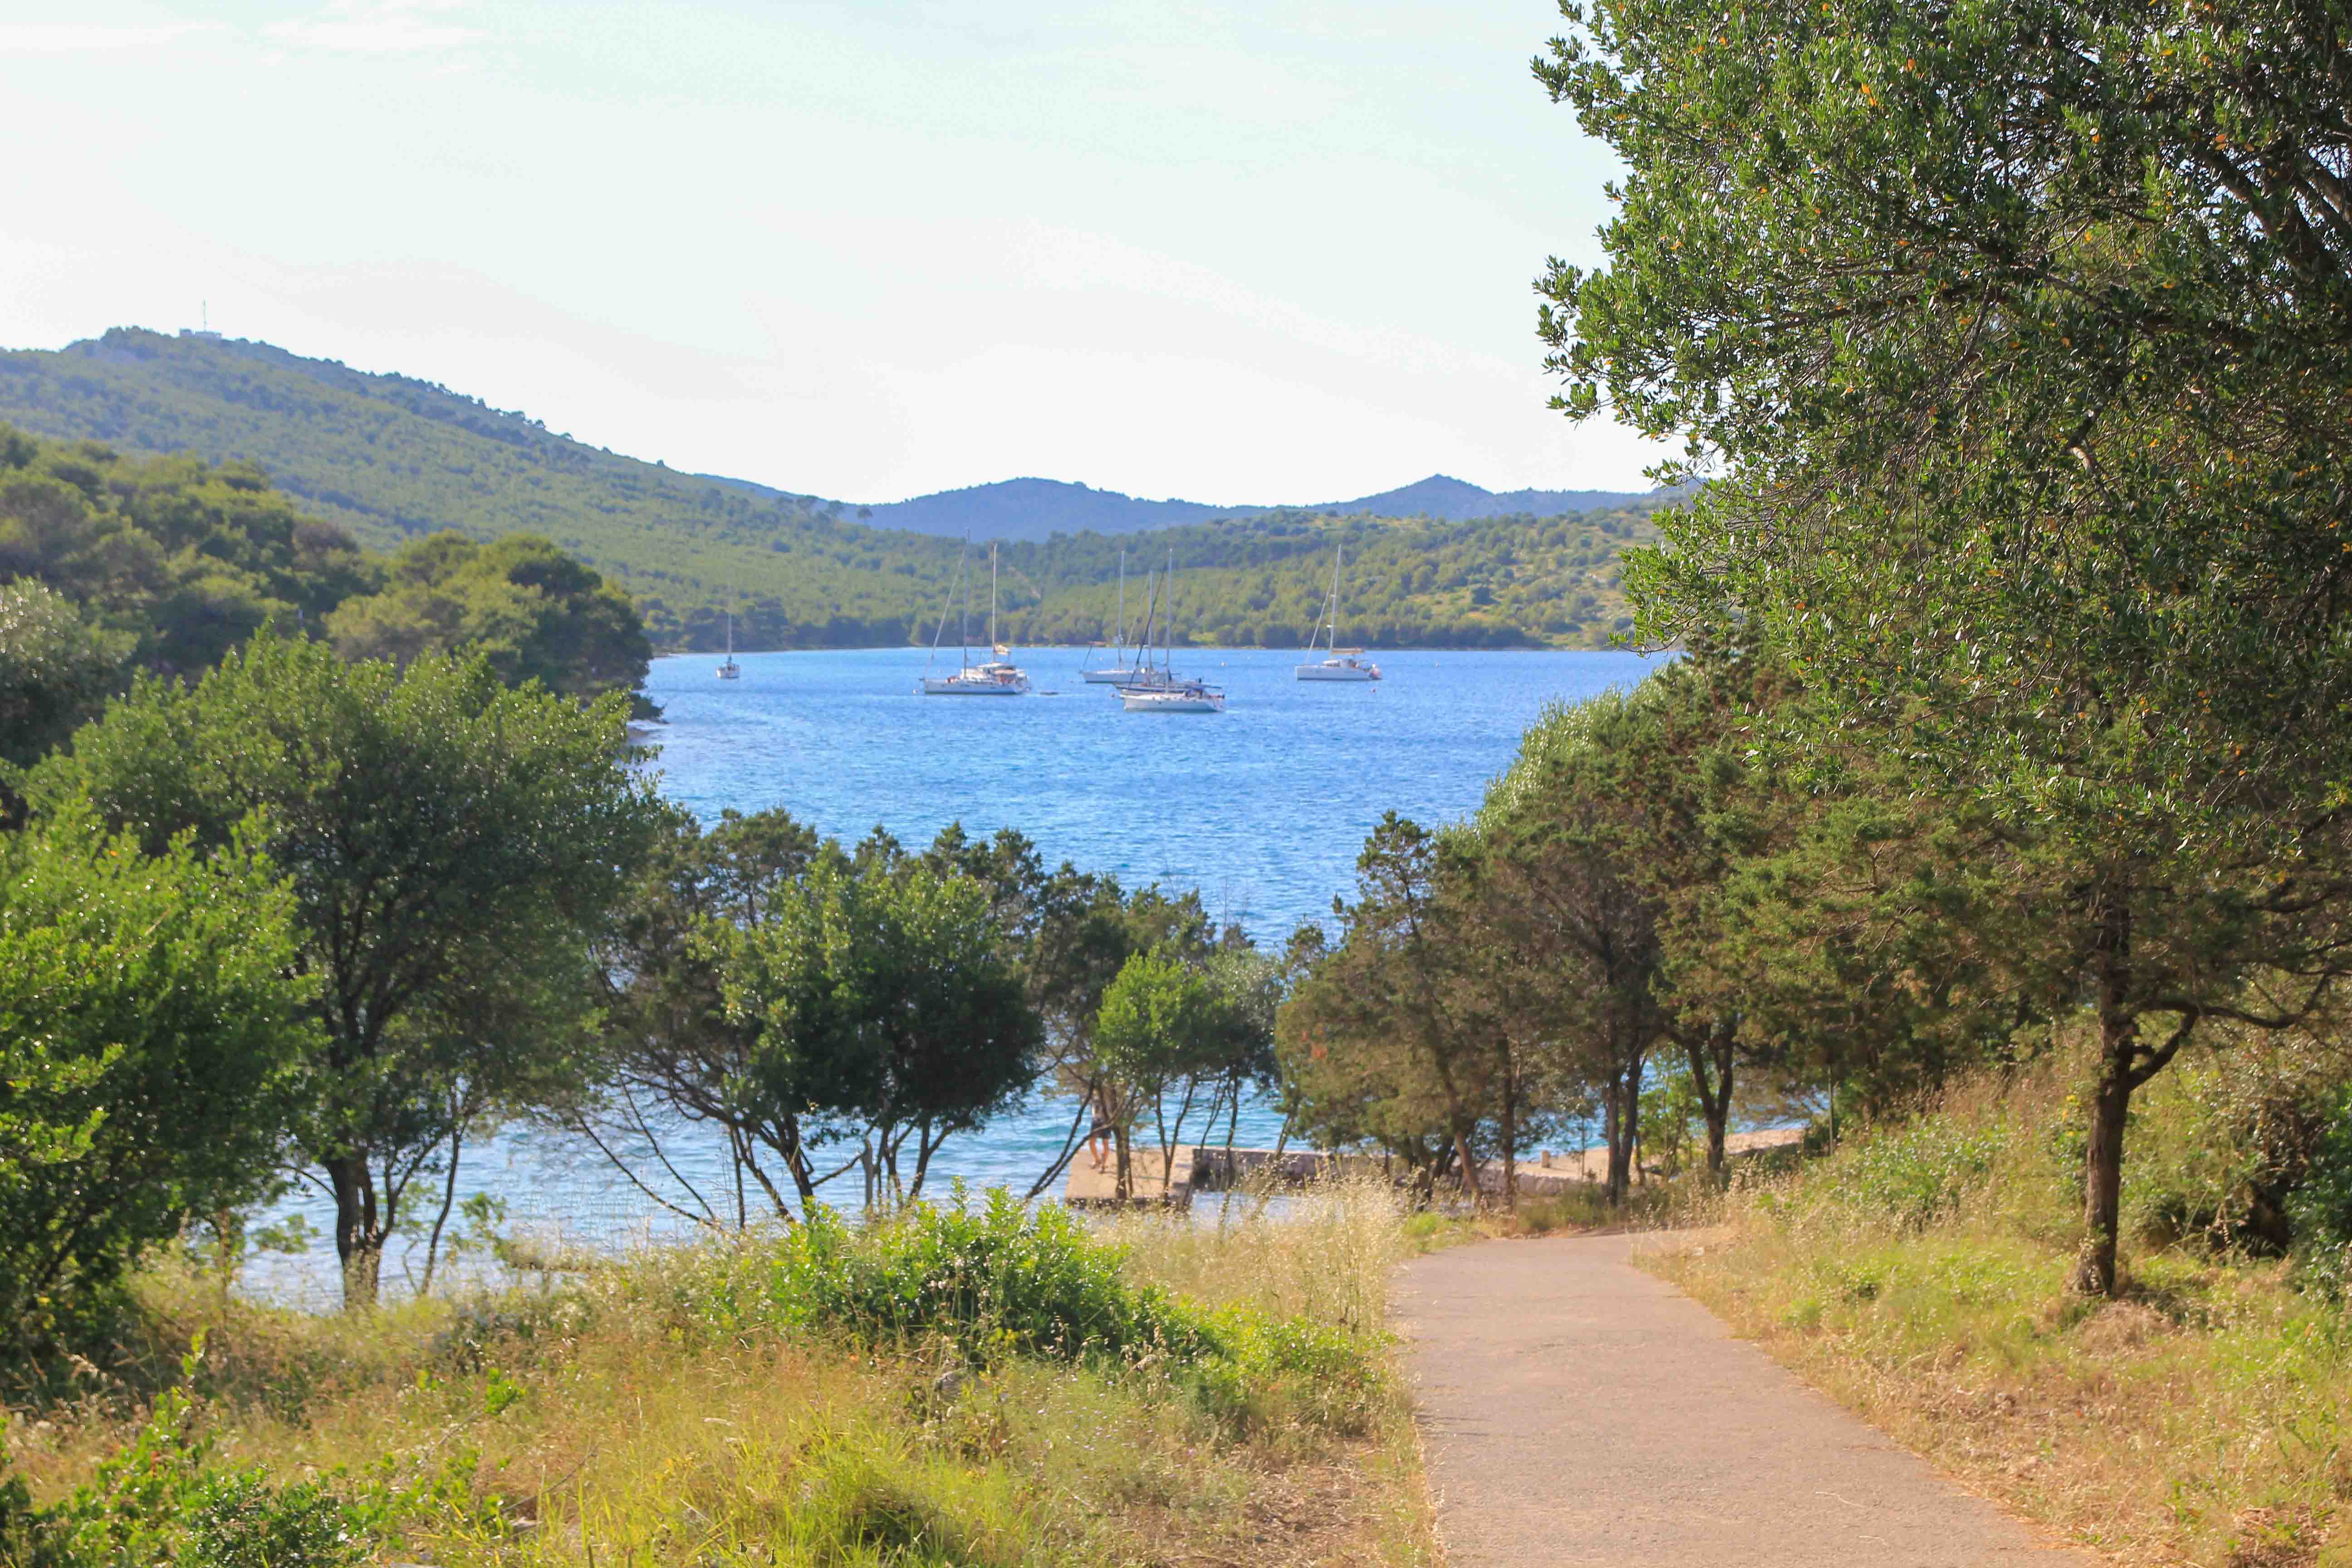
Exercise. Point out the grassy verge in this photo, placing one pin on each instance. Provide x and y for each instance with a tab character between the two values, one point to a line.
983	1387
1917	1274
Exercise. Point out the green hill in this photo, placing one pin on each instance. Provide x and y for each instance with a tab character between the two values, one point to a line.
392	458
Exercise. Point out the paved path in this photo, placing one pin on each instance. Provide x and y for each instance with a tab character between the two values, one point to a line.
1576	1410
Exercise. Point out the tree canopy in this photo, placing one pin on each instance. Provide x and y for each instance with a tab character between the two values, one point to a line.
454	846
2015	338
153	1024
172	563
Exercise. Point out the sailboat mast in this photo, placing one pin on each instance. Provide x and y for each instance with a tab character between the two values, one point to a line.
963	622
1150	605
1118	648
991	601
1338	554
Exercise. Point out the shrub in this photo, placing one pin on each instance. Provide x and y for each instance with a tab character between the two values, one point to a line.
160	1501
997	1279
2321	1207
1278	1373
2220	1145
147	1018
1915	1174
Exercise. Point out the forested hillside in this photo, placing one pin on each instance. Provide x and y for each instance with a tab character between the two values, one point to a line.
391	458
111	565
1509	581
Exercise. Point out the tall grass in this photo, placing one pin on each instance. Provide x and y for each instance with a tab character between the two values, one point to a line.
989	1387
1323	1252
1918	1273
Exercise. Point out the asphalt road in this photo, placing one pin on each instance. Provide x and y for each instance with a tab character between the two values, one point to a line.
1578	1411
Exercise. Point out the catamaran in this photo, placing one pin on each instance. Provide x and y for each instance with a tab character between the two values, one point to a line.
1117	670
997	676
1339	663
730	670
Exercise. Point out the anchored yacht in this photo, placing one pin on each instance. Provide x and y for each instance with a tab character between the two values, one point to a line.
730	670
1339	663
995	676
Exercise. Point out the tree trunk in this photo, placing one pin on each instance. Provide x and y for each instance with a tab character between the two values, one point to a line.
1469	1169
448	1197
1711	1066
359	1245
1624	1128
2103	1155
1509	1131
1125	1188
2103	1173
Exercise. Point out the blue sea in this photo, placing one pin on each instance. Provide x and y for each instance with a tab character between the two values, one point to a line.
1262	809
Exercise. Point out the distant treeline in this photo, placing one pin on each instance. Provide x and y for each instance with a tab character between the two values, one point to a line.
1503	582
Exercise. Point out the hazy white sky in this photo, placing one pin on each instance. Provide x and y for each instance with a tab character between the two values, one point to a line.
1250	252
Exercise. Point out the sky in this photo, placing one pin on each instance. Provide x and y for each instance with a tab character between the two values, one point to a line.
1265	252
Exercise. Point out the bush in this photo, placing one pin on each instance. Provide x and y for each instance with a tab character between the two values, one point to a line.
999	1280
995	1280
148	1017
2320	1208
1915	1174
1279	1372
2218	1145
159	1501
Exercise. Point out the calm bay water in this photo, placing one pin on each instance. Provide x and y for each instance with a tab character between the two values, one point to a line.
1261	809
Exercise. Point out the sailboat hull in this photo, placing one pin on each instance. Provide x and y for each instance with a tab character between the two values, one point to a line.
1139	699
972	686
1114	677
1335	669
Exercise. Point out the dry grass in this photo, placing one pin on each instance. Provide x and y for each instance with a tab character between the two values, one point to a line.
595	1424
1324	1252
1918	1276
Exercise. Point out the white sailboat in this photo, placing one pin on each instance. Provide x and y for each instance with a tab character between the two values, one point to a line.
1184	696
1339	663
1142	674
1161	690
730	670
1117	670
996	676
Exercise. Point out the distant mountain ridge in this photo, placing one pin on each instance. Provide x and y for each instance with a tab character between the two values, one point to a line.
1036	510
1442	562
1024	508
